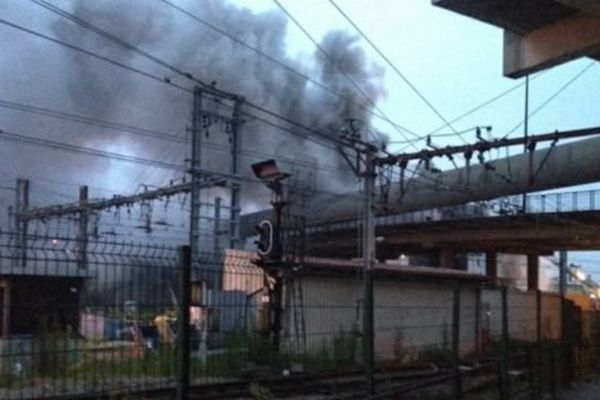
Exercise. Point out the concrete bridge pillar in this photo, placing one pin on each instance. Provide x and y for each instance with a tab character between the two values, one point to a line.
491	265
533	269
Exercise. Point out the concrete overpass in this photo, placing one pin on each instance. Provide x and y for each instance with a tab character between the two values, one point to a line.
538	34
557	221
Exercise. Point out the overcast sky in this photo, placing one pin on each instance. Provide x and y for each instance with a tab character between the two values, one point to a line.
456	62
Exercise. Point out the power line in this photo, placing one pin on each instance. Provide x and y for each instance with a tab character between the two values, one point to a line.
553	96
16	137
115	39
487	102
154	163
64	183
279	63
90	121
394	68
482	146
262	109
171	138
168	82
329	59
91	54
207	87
132	159
328	89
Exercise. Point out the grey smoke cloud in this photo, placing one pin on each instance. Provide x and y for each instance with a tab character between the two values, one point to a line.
91	88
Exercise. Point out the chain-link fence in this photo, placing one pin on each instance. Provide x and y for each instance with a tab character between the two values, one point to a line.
130	318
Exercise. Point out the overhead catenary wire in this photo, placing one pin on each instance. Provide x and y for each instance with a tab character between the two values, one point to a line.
553	96
139	160
401	130
155	134
17	137
539	108
136	130
91	54
275	61
486	103
92	121
394	67
401	75
208	87
323	139
322	86
273	124
149	133
115	39
274	115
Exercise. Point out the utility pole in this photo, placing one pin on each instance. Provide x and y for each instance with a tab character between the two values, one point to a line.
234	227
82	231
369	263
202	117
526	133
562	290
562	277
195	169
200	179
21	226
365	168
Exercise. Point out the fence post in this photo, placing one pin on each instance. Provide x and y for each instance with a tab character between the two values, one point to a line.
478	322
456	340
539	339
553	372
183	319
505	386
533	395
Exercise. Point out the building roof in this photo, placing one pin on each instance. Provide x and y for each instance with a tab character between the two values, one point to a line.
332	265
239	260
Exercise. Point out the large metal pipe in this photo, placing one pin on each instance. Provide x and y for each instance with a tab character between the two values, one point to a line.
565	165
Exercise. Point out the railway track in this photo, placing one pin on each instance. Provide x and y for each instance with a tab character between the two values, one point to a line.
331	385
349	385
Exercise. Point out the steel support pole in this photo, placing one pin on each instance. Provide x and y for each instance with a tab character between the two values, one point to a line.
82	228
566	354
562	287
183	331
217	227
456	341
234	228
526	132
21	224
369	262
505	386
539	339
478	347
276	273
195	169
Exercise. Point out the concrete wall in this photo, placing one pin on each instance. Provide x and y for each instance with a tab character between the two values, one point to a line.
522	314
551	324
409	316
